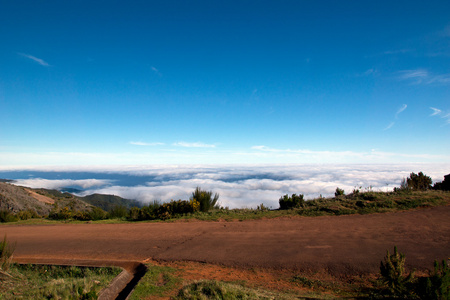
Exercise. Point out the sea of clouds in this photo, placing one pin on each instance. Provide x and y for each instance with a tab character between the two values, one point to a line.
238	186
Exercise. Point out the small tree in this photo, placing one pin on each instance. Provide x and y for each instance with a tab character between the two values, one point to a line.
393	274
437	286
205	199
444	185
419	182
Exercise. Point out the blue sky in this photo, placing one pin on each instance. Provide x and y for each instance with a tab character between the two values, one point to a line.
224	82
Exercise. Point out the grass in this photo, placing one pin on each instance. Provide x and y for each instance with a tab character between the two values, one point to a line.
158	281
169	282
356	203
54	282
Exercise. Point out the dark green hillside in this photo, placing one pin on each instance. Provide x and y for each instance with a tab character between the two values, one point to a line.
108	202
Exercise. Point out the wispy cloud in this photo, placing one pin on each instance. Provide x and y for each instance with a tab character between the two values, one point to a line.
389	126
156	71
35	59
440	113
422	76
400	110
146	144
193	145
399	51
435	111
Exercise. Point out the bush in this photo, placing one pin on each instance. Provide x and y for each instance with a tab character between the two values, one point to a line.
287	202
7	216
118	211
437	286
96	213
134	214
6	253
27	214
205	199
419	182
393	275
339	192
62	214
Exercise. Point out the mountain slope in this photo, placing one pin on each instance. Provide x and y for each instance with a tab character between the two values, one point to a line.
108	202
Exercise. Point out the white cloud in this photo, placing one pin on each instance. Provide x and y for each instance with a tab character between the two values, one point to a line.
194	145
443	115
404	106
389	126
422	76
38	60
61	183
146	144
244	186
435	111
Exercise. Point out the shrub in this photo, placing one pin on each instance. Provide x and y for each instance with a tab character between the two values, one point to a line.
27	214
6	253
62	214
205	199
393	275
287	202
419	182
7	216
437	286
118	211
96	213
339	192
134	214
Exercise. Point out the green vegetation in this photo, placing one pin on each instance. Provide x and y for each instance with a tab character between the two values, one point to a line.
419	182
109	202
393	275
444	185
6	253
394	283
55	282
211	289
157	281
49	282
339	192
205	199
294	201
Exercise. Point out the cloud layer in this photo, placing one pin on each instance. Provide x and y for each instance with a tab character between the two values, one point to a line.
238	186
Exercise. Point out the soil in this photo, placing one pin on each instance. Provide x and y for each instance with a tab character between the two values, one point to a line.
339	245
39	197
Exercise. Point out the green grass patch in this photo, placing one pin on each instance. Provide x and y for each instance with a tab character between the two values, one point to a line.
54	282
158	281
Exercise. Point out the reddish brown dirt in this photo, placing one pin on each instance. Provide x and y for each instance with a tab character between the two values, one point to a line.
345	245
39	197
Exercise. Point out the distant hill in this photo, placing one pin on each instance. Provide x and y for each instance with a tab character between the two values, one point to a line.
15	198
108	202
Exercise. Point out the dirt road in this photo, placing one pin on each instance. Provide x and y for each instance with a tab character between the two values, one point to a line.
339	245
